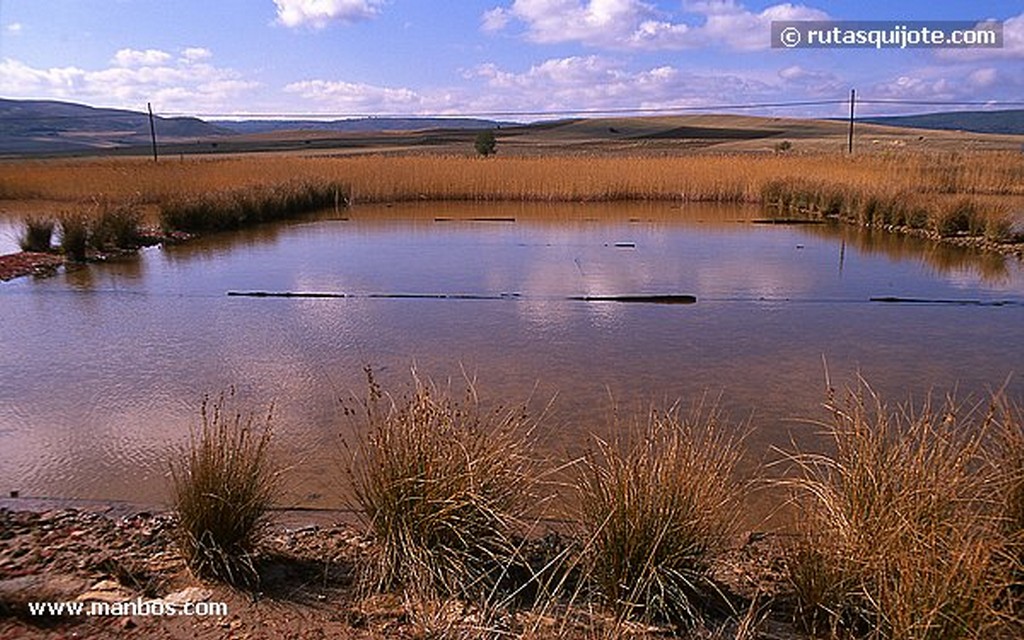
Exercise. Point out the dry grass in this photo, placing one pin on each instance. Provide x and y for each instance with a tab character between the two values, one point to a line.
655	515
900	525
445	488
916	189
223	487
691	177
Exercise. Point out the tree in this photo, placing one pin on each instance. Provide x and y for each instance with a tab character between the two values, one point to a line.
486	143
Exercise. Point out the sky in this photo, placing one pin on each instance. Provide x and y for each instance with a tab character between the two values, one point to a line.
239	58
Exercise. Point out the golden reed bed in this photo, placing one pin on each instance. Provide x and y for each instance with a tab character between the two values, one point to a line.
698	177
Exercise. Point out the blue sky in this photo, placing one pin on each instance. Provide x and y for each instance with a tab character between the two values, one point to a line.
379	57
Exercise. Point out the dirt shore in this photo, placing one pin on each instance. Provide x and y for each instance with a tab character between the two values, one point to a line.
15	265
308	587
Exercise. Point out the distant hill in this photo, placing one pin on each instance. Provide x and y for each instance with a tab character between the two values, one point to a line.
49	126
356	125
1007	121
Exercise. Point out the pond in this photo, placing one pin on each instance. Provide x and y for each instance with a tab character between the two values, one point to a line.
103	368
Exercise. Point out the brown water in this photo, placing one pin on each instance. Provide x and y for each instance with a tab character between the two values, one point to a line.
102	369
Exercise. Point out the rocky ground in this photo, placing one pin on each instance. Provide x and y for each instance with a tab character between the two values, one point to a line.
15	265
307	590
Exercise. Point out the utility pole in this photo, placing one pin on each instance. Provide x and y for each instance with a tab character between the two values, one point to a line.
152	129
849	142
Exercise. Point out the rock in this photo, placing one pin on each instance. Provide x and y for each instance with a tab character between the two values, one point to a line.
105	591
189	594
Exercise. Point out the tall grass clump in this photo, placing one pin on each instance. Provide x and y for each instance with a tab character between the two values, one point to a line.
899	526
223	486
655	515
37	234
235	208
74	235
1009	460
444	487
115	226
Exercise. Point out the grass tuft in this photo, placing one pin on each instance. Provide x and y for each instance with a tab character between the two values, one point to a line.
899	534
115	226
37	235
656	515
444	487
74	235
223	487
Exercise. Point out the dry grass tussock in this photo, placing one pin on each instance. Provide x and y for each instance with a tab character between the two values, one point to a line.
657	512
911	524
223	486
903	529
445	488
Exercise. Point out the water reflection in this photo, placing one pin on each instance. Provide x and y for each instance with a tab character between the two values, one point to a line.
102	369
945	259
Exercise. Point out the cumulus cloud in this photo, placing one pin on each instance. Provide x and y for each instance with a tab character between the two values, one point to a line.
358	98
137	58
597	82
14	28
812	82
185	83
318	14
634	24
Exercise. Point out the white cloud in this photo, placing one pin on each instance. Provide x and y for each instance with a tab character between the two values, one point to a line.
14	28
634	24
137	58
195	54
1013	45
596	82
358	98
811	82
134	78
982	78
317	14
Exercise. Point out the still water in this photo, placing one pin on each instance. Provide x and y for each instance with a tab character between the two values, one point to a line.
103	368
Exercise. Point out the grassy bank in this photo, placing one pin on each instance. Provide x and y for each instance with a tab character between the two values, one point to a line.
910	523
949	194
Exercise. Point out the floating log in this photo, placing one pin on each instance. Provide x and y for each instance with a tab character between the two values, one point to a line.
657	298
286	294
975	303
788	221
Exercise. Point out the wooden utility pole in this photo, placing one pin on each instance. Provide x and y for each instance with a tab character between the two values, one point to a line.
152	129
849	142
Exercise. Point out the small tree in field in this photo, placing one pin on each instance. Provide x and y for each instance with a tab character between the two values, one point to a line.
485	143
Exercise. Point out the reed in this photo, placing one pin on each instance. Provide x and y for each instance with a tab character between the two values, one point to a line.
74	235
950	194
223	486
655	515
115	225
235	208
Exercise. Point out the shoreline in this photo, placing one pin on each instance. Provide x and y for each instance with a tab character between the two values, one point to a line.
117	554
32	263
